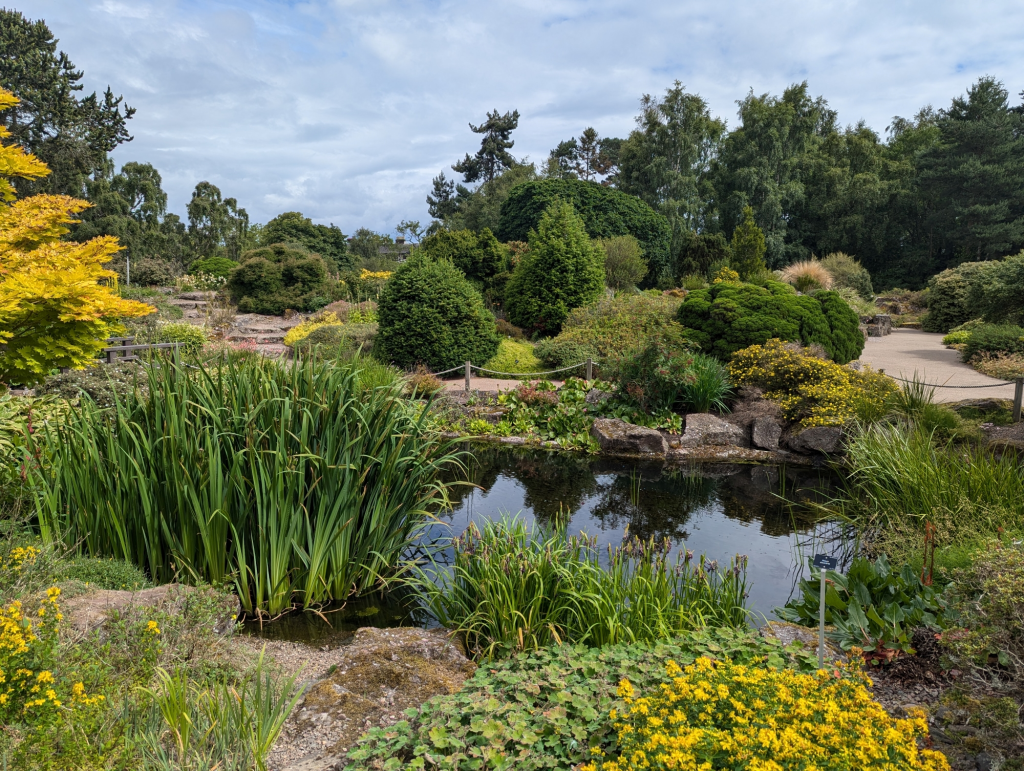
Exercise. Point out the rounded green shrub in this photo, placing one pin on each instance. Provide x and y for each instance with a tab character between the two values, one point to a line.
558	352
848	272
430	314
276	278
949	296
192	338
220	267
606	213
562	270
730	316
994	338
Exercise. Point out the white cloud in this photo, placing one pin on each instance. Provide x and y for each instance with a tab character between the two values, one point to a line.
345	109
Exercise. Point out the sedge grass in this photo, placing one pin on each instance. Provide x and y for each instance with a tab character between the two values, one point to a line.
516	587
297	483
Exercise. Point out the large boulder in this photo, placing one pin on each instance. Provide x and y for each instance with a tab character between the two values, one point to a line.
622	438
817	439
765	432
703	430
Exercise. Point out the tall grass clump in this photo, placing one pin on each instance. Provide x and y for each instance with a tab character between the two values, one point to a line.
516	587
901	478
297	482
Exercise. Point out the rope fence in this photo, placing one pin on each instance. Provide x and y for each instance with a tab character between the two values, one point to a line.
468	367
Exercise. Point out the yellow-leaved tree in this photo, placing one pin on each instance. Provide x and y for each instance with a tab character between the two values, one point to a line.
57	303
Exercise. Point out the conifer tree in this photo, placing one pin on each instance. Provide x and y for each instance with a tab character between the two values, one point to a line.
748	247
493	157
563	270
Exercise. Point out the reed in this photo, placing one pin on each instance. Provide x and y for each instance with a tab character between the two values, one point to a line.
300	483
516	587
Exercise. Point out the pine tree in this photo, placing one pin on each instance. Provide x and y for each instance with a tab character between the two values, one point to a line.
748	247
493	157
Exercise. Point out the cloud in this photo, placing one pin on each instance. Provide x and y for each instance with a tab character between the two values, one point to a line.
345	109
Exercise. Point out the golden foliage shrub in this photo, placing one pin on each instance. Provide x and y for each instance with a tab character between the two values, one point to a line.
811	390
715	716
301	331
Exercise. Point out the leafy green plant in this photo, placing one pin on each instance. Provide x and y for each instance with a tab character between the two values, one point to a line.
872	607
220	267
103	384
547	708
994	338
561	415
655	376
709	387
848	273
624	263
191	338
279	277
957	338
516	587
949	296
515	357
106	573
730	316
431	315
295	482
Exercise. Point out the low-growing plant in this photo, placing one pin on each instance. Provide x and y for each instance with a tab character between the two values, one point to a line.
516	587
721	715
811	390
958	337
561	415
422	382
200	281
106	573
872	607
191	338
514	357
986	637
550	708
1005	366
302	330
994	339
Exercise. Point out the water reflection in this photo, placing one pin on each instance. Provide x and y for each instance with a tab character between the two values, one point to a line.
720	510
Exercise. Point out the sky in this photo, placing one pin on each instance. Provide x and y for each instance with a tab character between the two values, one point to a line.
346	109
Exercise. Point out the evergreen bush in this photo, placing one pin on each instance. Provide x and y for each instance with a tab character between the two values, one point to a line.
949	296
430	314
994	338
191	338
847	272
220	267
563	270
279	277
998	294
729	316
606	212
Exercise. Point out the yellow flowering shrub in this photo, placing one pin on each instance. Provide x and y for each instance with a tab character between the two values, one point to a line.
716	716
19	558
301	331
725	275
28	645
813	391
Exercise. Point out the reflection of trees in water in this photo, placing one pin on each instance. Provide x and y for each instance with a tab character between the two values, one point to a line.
662	507
551	481
777	498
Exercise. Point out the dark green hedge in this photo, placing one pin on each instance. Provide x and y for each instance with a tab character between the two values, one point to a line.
730	316
276	278
430	314
606	213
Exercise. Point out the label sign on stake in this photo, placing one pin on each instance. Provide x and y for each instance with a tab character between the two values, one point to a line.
823	562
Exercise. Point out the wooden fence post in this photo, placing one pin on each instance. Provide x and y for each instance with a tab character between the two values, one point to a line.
469	375
590	369
1018	396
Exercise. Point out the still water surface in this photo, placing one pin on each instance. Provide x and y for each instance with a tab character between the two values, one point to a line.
717	510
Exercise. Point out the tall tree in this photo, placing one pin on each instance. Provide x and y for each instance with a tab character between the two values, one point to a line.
493	157
561	163
972	176
667	159
72	134
293	228
762	164
215	225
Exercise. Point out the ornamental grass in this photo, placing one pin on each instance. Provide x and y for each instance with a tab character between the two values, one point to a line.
715	716
806	276
299	483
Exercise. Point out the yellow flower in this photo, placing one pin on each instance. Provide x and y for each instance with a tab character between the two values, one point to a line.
153	628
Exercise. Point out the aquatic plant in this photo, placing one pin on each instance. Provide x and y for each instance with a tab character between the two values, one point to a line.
298	483
516	586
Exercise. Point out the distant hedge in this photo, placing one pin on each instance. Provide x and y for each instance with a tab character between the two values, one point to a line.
730	316
606	213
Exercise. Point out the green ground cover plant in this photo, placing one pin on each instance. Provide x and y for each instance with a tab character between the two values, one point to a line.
516	586
994	339
515	357
546	709
729	316
658	379
297	483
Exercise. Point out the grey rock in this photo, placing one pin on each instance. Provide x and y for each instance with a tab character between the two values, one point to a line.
595	396
512	440
617	436
821	439
703	430
765	433
985	762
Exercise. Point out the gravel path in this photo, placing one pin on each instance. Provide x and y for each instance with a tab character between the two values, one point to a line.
488	384
909	351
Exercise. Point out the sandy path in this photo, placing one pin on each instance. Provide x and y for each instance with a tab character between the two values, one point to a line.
909	351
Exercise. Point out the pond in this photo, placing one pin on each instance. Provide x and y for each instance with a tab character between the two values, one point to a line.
718	510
